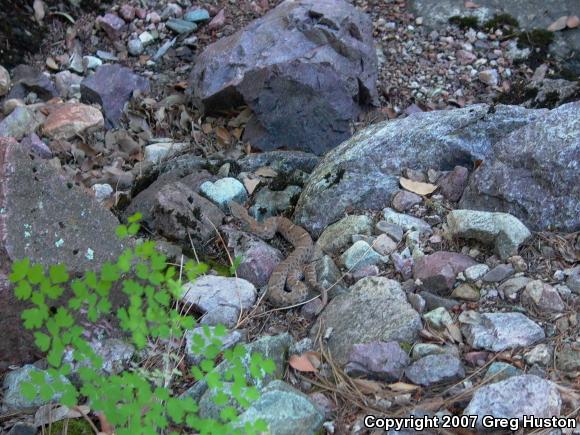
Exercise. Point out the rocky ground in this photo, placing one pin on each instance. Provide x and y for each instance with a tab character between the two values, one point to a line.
437	172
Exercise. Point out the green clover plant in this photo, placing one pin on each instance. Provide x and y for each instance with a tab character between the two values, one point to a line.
138	400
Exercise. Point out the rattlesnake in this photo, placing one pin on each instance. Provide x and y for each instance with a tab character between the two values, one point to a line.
285	287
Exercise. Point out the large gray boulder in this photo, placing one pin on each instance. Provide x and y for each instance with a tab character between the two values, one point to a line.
364	171
531	14
45	217
306	69
534	173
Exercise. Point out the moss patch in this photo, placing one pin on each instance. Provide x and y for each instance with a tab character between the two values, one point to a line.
464	22
536	38
500	20
76	426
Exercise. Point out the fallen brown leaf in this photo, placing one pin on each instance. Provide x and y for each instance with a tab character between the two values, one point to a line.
223	135
417	187
403	387
302	363
367	386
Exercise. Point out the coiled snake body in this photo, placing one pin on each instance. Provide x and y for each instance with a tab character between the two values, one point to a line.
285	286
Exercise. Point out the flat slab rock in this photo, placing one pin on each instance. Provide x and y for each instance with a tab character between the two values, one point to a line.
45	217
516	397
500	331
319	74
433	369
374	309
363	172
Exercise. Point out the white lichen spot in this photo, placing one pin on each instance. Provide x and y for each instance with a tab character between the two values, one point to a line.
59	243
90	254
2	210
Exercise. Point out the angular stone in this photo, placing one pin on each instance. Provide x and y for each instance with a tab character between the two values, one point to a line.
489	77
196	15
26	79
512	286
405	221
542	355
568	357
68	84
476	272
466	292
181	26
499	273
338	236
452	185
374	309
360	255
438	271
384	245
500	331
379	360
514	398
259	259
438	318
180	214
363	172
68	120
45	217
220	298
543	296
433	369
112	86
502	230
320	74
112	25
533	173
157	152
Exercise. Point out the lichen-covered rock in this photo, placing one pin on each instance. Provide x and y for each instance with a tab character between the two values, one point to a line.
515	397
533	173
374	309
363	172
320	73
44	216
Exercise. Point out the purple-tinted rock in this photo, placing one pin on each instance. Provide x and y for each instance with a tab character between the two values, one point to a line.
433	369
363	272
45	217
453	184
533	173
543	296
258	258
112	86
404	200
380	360
437	271
319	74
499	273
25	79
403	265
37	146
112	25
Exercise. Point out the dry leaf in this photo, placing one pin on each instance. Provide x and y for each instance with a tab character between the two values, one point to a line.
52	413
417	187
559	24
250	184
470	5
181	85
573	21
243	117
454	332
237	132
314	358
265	171
367	386
51	63
402	387
301	363
206	128
223	135
39	13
